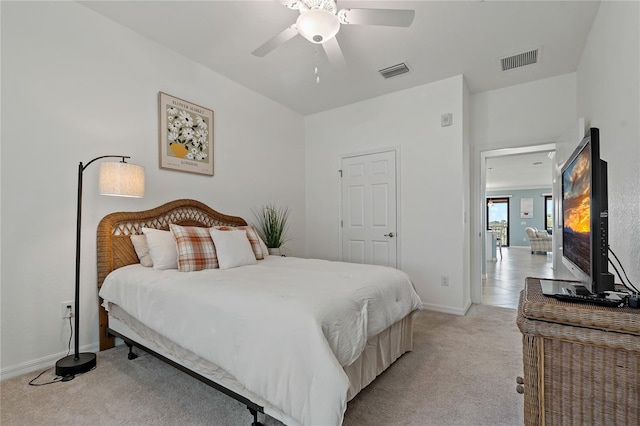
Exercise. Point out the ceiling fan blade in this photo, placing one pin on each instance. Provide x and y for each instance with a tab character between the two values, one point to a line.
386	17
334	53
276	41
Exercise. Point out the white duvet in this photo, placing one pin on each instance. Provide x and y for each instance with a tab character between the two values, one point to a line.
284	328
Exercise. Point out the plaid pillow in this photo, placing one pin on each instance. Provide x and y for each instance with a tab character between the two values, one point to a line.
253	237
195	248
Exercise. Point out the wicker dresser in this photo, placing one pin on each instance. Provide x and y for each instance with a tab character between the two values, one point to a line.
581	361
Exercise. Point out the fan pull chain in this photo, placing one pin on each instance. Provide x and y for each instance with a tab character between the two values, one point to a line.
316	68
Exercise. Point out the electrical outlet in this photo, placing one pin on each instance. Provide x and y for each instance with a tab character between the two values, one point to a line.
65	310
444	280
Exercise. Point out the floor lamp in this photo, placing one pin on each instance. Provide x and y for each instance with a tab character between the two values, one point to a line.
116	178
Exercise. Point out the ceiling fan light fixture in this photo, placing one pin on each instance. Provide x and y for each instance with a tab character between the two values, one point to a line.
318	25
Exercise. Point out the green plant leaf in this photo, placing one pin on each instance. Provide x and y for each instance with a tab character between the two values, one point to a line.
272	224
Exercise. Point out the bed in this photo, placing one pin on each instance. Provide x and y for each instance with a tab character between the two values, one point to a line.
293	338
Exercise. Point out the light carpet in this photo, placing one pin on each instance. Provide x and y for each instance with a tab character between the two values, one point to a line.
462	371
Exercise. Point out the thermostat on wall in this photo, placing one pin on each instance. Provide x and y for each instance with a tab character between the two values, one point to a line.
446	119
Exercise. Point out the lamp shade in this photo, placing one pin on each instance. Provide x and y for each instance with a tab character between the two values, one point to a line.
121	179
318	25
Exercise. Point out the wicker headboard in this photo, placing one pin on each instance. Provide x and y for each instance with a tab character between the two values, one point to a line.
115	249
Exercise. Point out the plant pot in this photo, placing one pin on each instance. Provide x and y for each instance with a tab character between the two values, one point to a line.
274	251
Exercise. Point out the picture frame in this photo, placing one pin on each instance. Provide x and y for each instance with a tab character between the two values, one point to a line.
185	135
526	208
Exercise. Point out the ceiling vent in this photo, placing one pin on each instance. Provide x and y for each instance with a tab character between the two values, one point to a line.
519	60
394	70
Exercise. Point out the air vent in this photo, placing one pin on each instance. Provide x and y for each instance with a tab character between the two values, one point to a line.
519	60
394	70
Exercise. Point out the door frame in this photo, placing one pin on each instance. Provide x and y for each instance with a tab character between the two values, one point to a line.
398	237
553	211
501	199
478	254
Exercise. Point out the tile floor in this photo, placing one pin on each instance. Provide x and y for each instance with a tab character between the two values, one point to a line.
505	276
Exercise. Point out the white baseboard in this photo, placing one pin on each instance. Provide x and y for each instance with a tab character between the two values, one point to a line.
447	309
40	363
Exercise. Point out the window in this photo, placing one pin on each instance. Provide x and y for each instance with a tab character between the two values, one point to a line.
498	218
548	212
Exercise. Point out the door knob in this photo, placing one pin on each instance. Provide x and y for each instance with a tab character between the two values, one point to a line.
390	235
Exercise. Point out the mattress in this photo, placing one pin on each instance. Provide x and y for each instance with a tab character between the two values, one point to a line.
315	317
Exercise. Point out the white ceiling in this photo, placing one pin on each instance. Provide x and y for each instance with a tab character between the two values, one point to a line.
519	171
447	38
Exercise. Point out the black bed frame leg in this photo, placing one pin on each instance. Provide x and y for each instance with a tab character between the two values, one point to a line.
131	355
254	413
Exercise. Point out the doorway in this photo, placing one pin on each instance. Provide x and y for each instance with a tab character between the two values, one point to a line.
498	210
482	154
548	213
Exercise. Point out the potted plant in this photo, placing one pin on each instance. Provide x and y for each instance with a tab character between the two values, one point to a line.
272	226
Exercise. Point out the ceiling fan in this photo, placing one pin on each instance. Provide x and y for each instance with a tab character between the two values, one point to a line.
320	21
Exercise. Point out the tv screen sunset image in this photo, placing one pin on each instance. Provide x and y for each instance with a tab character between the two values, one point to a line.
576	187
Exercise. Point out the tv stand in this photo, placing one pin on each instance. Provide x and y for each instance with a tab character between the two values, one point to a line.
581	362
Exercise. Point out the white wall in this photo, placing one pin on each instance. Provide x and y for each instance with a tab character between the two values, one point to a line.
524	114
467	203
431	180
520	116
75	86
609	99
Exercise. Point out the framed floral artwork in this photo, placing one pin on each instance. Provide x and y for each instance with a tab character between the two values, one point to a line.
186	135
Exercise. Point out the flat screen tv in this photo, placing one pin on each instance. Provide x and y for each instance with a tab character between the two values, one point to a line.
585	215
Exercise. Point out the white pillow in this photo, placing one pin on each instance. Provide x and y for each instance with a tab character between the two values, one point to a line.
142	250
162	248
233	248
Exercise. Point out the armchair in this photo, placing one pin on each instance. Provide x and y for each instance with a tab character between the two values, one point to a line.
540	240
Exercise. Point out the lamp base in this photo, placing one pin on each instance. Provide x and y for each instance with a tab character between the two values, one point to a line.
70	366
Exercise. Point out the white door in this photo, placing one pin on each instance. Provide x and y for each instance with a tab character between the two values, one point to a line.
369	232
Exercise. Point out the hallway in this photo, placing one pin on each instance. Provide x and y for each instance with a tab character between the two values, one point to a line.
505	277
